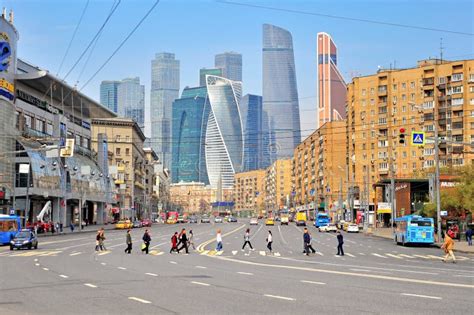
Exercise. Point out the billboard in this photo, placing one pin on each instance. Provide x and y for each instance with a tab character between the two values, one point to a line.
8	40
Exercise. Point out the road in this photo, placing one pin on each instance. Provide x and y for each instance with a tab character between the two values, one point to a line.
66	275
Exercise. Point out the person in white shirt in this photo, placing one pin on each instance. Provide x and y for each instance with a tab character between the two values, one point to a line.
247	240
219	241
269	241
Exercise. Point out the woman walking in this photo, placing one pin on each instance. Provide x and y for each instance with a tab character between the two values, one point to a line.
247	240
174	243
269	241
219	240
97	241
191	239
102	239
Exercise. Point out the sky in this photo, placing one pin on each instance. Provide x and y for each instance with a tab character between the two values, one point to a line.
196	30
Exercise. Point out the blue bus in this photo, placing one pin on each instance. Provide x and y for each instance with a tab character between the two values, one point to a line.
322	219
9	226
414	229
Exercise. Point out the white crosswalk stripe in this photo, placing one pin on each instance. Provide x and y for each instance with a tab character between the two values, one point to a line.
392	255
407	256
350	255
378	255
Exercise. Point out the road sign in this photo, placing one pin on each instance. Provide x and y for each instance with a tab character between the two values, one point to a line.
12	211
417	138
443	213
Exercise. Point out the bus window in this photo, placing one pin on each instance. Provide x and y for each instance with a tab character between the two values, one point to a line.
420	223
8	226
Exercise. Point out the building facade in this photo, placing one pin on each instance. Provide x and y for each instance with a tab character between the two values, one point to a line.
331	88
196	197
280	94
278	185
231	65
164	90
205	71
109	95
251	111
131	100
249	191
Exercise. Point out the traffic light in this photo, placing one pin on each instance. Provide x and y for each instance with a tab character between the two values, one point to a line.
401	136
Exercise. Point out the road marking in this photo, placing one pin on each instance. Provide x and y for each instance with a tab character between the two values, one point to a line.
37	264
90	285
262	252
63	241
64	276
139	300
435	257
378	255
313	282
245	273
201	267
156	253
45	269
219	253
407	256
36	259
173	262
362	254
279	297
423	296
103	264
277	254
75	254
205	252
393	256
234	252
421	256
201	283
122	268
104	253
151	274
320	254
350	255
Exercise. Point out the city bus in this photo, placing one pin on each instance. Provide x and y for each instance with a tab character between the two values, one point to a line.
322	219
414	229
9	226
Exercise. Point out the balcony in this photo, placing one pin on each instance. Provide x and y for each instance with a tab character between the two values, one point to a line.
427	82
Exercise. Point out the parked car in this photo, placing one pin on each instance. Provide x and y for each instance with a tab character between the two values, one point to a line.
218	220
253	221
205	219
193	219
146	222
24	239
353	228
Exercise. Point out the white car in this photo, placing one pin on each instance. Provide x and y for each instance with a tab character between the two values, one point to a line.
331	228
353	228
218	220
323	228
253	221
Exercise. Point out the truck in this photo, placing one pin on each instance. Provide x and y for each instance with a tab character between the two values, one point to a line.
301	218
284	218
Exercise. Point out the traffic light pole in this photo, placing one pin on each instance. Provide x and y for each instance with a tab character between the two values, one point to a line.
437	182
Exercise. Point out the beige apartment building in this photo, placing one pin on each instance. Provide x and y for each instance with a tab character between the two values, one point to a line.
319	168
434	94
278	185
249	191
194	197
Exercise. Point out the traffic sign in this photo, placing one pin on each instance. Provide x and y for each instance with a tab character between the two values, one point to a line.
417	138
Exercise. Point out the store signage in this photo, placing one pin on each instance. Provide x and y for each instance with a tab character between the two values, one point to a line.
7	65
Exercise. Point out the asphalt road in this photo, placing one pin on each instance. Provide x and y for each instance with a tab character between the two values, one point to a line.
65	275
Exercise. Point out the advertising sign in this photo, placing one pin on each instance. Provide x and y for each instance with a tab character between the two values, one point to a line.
8	39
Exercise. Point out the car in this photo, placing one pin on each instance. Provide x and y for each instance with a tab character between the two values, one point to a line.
353	228
24	239
322	228
340	224
346	225
269	221
253	221
181	219
232	219
277	219
218	220
205	219
193	219
123	224
171	220
329	228
146	222
137	224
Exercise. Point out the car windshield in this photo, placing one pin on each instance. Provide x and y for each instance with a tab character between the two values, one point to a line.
23	235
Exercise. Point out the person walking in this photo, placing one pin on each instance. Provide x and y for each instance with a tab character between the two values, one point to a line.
179	238
340	241
307	242
469	236
146	240
270	241
102	239
247	240
219	240
71	226
128	250
97	241
448	247
184	241
174	243
191	239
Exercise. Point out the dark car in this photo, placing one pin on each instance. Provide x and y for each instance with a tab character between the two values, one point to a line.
24	239
205	219
232	219
193	219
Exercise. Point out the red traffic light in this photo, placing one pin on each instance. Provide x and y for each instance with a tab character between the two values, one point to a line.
402	130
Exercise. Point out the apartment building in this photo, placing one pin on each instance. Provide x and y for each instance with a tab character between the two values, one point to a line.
278	185
249	191
195	197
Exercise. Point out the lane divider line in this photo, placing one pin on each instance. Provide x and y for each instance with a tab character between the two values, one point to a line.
245	273
313	282
64	276
279	297
45	269
90	285
122	268
139	300
423	296
200	283
151	274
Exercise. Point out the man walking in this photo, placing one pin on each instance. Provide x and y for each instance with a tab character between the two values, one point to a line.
340	241
469	236
448	247
102	239
146	239
184	241
247	240
270	241
128	250
97	241
219	240
307	242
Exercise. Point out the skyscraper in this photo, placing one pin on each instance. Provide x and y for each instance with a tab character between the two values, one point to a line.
108	94
280	94
204	71
231	65
164	90
188	138
251	113
131	100
331	88
224	138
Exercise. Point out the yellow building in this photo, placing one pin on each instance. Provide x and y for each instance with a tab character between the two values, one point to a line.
194	197
278	185
319	167
249	191
433	94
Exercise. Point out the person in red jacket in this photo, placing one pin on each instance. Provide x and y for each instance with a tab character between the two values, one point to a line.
174	243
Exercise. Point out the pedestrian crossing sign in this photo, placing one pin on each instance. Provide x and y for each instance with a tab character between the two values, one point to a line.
417	138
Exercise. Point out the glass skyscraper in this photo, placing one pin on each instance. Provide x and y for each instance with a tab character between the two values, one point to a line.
108	94
188	138
231	65
204	71
251	112
224	140
280	94
131	100
164	90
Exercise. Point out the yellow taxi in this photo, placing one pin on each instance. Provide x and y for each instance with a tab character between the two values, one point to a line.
125	224
171	220
269	221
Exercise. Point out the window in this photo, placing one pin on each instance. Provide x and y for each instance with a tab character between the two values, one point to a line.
471	101
472	113
404	154
404	86
428	151
471	77
429	163
117	138
127	151
455	90
412	96
363	146
413	154
39	125
382	121
127	139
457	102
372	146
429	128
404	97
394	99
471	88
364	92
414	165
428	105
412	119
372	101
456	77
405	166
383	143
442	80
394	87
372	112
117	151
363	102
404	109
28	121
412	85
372	90
383	166
382	154
472	139
49	129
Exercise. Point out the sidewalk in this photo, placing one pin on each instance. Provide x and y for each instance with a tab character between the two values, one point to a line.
460	247
87	229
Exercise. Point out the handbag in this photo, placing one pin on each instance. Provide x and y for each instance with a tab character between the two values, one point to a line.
143	246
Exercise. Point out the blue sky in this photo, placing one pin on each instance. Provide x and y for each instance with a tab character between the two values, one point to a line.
196	30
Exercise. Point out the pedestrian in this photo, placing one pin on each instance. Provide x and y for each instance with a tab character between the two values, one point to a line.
128	250
102	239
269	241
57	227
219	240
191	239
469	236
52	228
146	240
340	241
71	226
179	238
448	247
61	227
307	242
97	241
184	241
174	243
247	240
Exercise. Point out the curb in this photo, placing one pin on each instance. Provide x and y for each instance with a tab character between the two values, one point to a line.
76	232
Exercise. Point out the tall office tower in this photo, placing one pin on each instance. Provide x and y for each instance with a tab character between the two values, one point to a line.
331	88
164	90
251	112
108	94
188	137
280	95
224	138
231	65
131	100
204	71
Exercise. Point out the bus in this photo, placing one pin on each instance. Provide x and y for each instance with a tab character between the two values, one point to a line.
322	219
414	229
9	226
